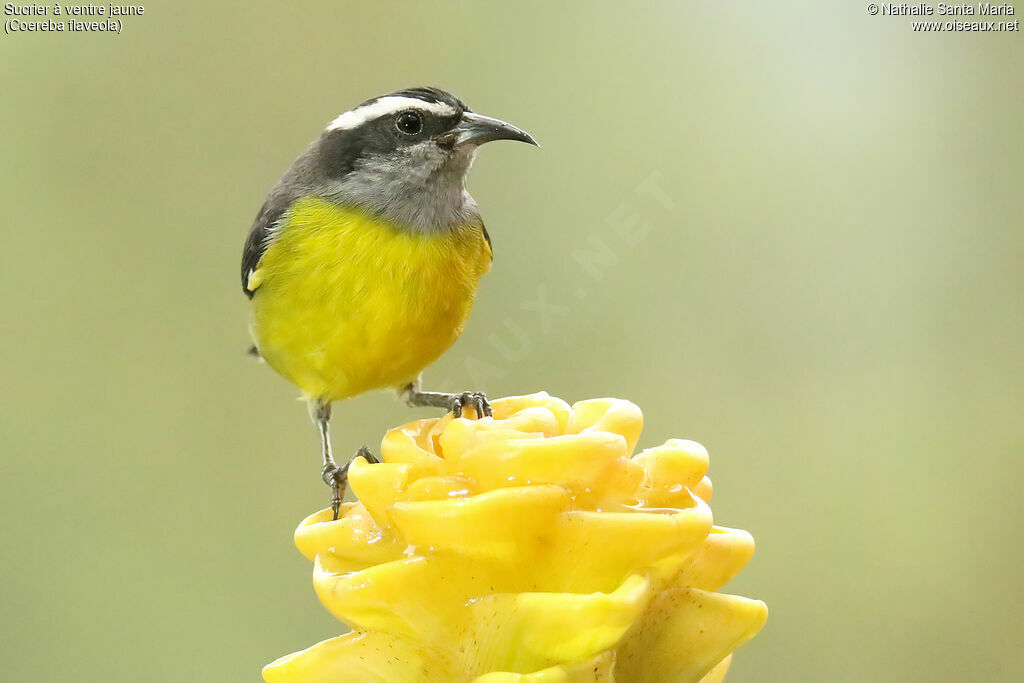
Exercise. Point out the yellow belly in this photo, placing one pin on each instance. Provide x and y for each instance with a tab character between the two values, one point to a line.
346	303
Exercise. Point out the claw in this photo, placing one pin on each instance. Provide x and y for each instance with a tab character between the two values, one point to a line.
364	452
484	408
337	478
458	403
470	399
480	404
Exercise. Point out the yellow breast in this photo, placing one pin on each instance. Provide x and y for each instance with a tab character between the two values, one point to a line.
347	303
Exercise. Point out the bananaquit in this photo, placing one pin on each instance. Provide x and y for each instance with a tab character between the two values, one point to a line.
363	263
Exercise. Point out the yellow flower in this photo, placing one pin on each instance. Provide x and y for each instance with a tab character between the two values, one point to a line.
526	548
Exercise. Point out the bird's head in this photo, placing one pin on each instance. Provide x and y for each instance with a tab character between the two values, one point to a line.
405	156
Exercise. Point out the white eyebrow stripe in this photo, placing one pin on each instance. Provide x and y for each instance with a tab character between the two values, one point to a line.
385	106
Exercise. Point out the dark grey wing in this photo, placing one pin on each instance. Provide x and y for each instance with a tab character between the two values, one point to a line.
259	237
487	238
302	175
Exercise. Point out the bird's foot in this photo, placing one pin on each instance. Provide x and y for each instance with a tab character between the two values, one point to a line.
470	399
455	403
337	478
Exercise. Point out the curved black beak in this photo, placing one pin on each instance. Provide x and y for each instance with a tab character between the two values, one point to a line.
476	129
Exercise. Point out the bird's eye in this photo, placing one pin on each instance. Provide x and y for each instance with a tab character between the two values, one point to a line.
409	122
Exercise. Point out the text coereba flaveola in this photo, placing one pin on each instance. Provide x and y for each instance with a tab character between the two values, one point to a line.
363	263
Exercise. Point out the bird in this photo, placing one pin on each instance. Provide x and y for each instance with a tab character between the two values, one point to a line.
362	265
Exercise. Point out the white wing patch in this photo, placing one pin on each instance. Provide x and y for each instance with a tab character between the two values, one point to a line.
385	106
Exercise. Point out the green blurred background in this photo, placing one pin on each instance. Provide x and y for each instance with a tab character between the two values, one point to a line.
830	299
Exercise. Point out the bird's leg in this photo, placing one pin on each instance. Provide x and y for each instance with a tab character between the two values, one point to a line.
334	476
415	397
